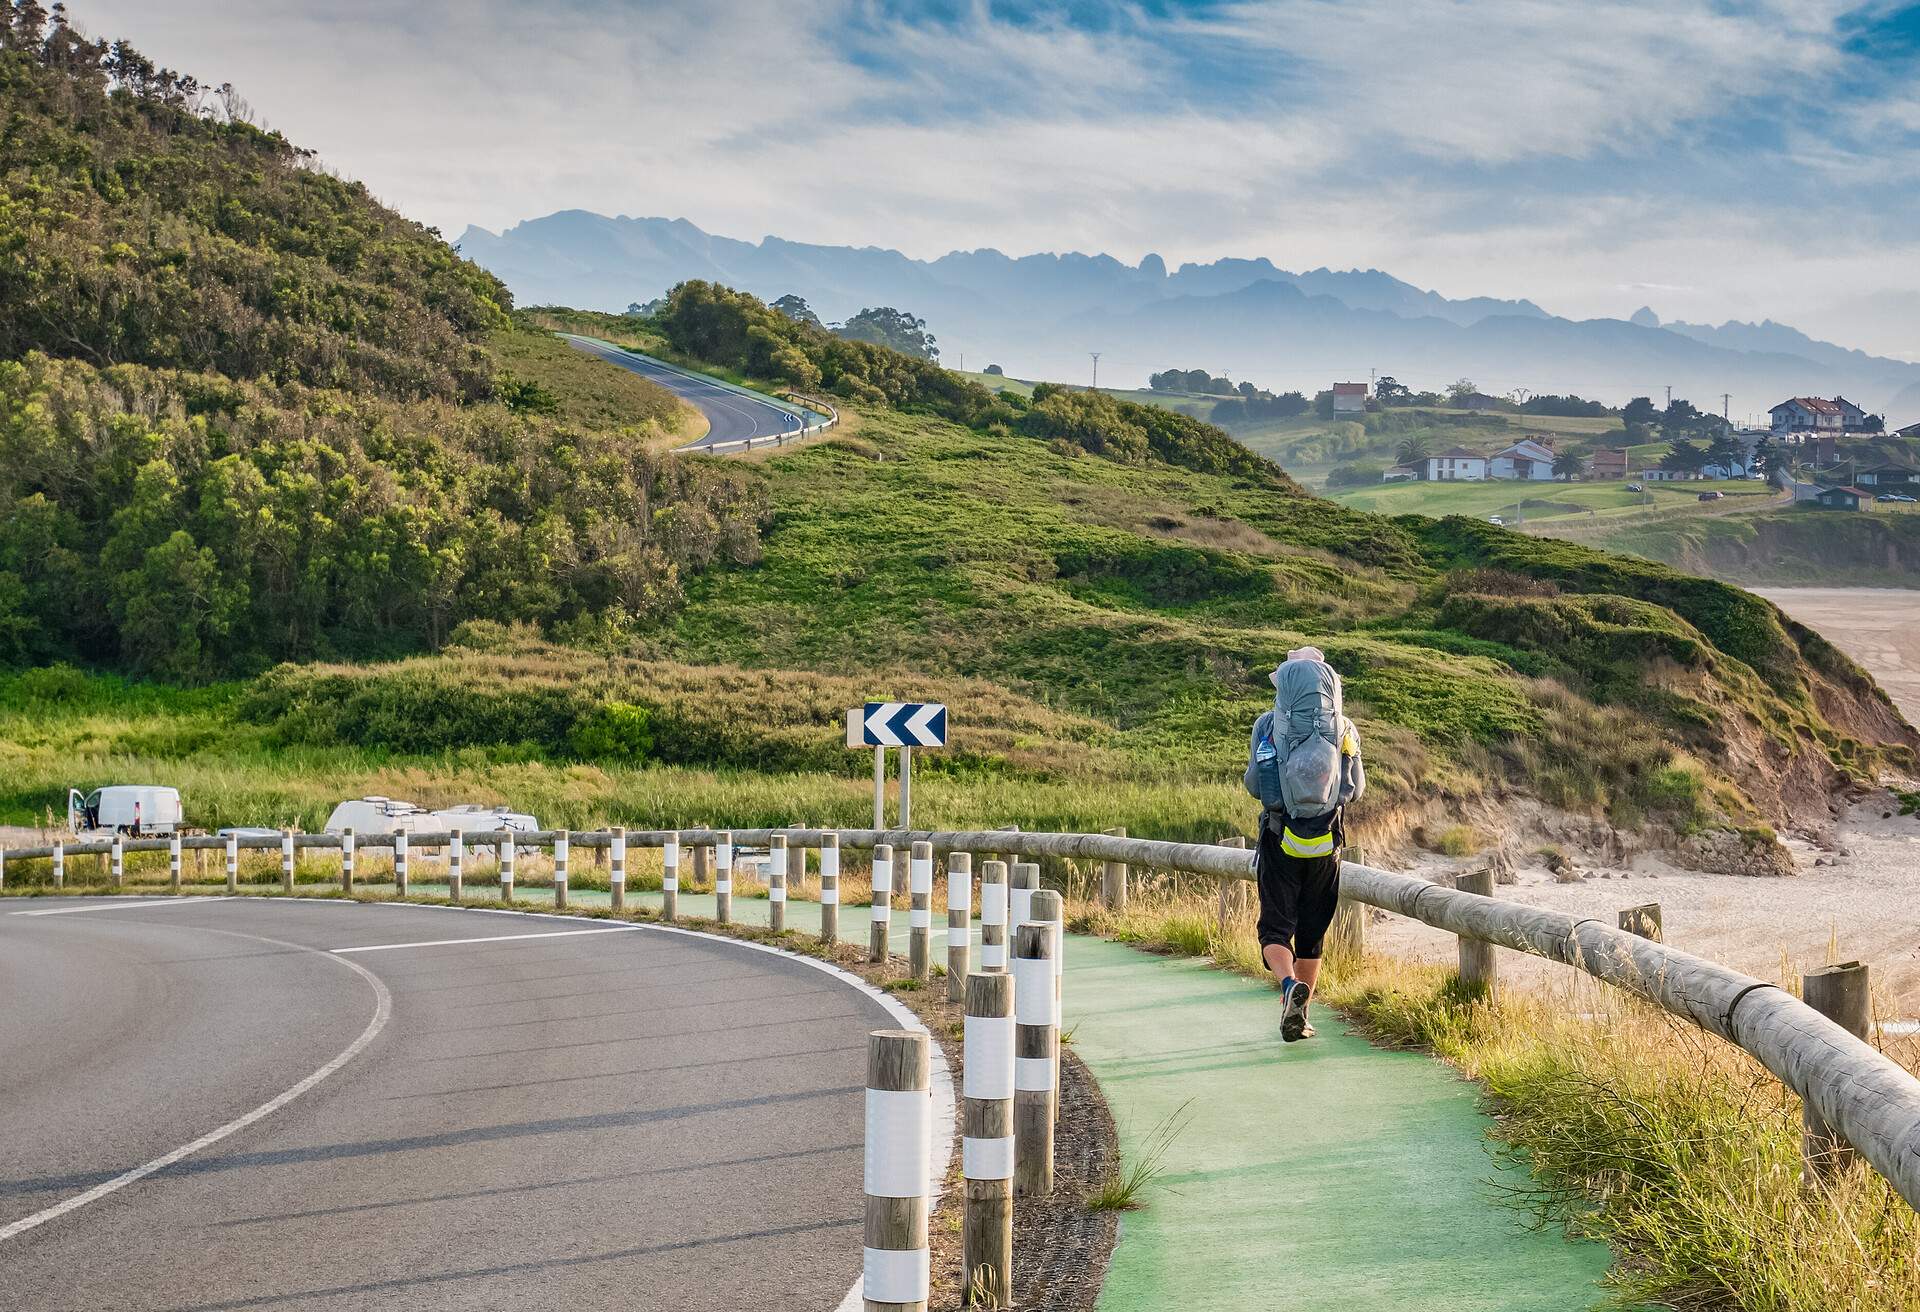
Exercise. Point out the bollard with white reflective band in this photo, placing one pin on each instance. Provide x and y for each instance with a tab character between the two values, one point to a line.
617	870
993	915
777	882
1050	909
233	864
400	863
173	864
346	860
60	864
986	1146
457	866
3	869
882	927
670	877
829	888
118	863
560	844
506	854
920	911
896	1268
723	879
1026	879
959	923
286	860
1035	1041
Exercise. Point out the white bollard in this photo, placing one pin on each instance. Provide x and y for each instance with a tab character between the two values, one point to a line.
882	927
400	864
723	879
1036	1041
3	869
286	860
993	915
60	864
670	876
617	870
506	866
1026	879
986	1145
777	866
959	923
457	866
560	870
829	888
173	864
1050	909
118	861
896	1266
233	864
920	911
346	860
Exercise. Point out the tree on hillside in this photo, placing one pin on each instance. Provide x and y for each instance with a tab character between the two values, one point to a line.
1569	465
1769	459
895	329
1460	389
1390	391
1412	450
1684	458
1726	450
996	371
1641	410
797	309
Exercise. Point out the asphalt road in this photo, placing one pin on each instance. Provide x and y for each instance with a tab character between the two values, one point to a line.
731	416
615	1118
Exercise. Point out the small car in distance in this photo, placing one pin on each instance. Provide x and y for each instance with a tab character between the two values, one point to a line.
1636	487
1712	496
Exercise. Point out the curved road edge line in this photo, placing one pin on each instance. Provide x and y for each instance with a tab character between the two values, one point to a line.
382	1012
945	1108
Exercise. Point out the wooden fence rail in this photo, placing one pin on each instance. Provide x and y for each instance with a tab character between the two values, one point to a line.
1851	1087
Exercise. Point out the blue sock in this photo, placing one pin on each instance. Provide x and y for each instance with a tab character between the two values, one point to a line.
1286	986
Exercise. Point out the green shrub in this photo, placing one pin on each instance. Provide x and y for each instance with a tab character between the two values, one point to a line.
613	731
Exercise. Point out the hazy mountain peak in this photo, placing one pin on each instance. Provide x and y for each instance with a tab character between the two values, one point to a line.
1645	317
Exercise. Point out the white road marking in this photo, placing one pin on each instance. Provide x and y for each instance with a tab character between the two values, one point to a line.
382	1010
122	906
492	938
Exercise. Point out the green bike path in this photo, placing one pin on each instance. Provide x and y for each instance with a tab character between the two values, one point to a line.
1322	1176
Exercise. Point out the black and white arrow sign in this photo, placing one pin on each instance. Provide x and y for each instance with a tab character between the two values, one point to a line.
904	724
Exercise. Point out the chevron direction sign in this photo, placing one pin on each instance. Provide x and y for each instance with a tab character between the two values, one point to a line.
898	724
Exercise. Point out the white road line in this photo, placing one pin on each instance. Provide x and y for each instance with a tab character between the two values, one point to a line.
493	938
122	906
382	1010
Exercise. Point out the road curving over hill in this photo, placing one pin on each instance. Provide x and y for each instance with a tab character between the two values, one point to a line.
736	417
252	1103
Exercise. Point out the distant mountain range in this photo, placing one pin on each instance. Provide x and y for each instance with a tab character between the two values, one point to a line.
1039	316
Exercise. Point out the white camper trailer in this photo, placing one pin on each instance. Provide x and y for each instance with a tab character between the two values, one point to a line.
387	815
124	808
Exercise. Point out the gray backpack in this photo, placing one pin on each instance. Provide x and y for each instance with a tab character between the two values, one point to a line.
1307	707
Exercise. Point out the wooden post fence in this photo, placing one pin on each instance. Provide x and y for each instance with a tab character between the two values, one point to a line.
617	870
1232	892
723	879
1113	881
920	912
670	877
400	863
993	915
456	866
702	856
896	1268
507	858
986	1145
173	865
60	864
777	868
1050	909
1035	1044
1644	920
1477	966
286	860
1347	935
829	888
882	927
118	874
233	865
561	842
959	923
1026	878
1842	993
346	861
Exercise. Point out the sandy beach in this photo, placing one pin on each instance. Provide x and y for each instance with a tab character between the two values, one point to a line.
1858	899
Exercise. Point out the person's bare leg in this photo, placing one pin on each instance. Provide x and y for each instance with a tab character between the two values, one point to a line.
1307	971
1279	959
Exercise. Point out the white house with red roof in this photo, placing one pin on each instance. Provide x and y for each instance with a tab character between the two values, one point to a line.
1817	414
1457	465
1349	398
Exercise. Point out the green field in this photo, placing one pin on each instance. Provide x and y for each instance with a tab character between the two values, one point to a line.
1529	502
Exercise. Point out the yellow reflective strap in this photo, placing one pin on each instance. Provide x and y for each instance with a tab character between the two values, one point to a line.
1293	845
1348	745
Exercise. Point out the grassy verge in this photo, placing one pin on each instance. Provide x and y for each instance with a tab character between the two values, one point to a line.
1676	1149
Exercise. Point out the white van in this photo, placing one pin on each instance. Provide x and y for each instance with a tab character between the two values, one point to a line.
124	808
472	819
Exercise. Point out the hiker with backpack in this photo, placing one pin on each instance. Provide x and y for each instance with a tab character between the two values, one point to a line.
1304	765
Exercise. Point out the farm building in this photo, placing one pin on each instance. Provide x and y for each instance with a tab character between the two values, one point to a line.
1607	464
1897	477
1458	465
1349	398
1845	498
1529	458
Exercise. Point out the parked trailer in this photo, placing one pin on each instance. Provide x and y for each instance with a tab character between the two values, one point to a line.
124	808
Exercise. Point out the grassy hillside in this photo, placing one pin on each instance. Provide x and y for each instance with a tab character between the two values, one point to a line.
1517	502
1788	546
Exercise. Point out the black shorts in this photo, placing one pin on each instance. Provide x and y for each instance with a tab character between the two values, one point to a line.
1297	894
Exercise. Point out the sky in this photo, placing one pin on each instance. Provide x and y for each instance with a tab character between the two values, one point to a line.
1714	159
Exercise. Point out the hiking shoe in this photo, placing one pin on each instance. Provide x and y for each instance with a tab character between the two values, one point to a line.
1307	1031
1293	1020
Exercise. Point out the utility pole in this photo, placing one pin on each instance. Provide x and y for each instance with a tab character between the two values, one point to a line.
1669	396
1726	404
1096	369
